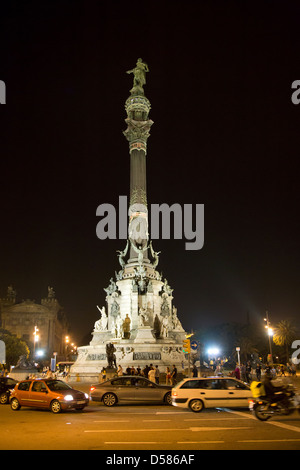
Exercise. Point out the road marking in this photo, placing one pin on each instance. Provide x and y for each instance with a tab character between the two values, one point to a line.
216	428
131	442
212	419
200	442
271	440
240	413
285	426
113	421
135	430
131	413
154	420
198	429
273	423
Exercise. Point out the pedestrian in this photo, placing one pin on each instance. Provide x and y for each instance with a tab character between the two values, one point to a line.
168	376
195	371
273	372
174	375
237	372
50	374
157	372
103	373
258	372
120	370
151	374
243	373
146	370
248	372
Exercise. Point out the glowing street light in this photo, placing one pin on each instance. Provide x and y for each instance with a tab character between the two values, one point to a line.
270	334
35	337
213	351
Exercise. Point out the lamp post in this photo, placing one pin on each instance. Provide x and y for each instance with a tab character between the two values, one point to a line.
36	338
270	334
67	340
238	355
188	348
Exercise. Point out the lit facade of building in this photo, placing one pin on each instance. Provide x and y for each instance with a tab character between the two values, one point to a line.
42	326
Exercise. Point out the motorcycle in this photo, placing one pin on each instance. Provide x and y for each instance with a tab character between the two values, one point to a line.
264	408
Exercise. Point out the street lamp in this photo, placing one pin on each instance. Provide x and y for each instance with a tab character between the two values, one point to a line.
36	338
270	334
213	351
238	354
67	341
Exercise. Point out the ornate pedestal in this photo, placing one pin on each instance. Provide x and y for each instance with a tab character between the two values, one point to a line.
140	319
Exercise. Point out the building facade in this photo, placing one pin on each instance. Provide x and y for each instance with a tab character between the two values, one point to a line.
42	326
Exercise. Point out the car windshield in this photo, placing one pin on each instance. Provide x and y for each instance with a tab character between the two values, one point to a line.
178	385
55	385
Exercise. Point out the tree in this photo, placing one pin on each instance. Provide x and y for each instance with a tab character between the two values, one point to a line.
247	348
284	335
14	347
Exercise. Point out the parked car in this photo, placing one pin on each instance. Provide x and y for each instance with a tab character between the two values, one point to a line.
211	392
130	389
54	395
6	385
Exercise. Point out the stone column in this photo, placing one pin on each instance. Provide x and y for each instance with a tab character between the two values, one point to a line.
138	130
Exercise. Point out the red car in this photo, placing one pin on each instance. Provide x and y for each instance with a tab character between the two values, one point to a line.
52	394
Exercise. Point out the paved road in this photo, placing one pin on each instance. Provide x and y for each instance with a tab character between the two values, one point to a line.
144	427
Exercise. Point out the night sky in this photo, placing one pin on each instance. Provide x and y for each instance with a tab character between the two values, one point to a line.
225	134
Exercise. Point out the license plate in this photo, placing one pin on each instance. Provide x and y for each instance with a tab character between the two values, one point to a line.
80	402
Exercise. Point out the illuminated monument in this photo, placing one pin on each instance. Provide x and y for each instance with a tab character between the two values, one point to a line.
139	324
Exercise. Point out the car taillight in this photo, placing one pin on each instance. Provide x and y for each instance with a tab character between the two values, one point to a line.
92	388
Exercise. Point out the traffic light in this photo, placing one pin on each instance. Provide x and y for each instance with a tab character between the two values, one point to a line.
186	347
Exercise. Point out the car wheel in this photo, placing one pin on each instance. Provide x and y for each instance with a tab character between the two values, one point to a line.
109	399
3	398
168	398
15	405
196	405
55	406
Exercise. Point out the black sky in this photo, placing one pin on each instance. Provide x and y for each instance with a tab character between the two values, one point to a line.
225	134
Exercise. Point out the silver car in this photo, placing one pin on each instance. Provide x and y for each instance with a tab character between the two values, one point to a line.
130	389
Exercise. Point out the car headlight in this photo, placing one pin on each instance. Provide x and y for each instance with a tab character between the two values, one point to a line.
68	398
86	395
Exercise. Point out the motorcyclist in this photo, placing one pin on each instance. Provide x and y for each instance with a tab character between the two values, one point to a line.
272	392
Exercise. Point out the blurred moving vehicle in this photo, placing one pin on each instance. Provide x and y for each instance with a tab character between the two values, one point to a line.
52	394
6	386
211	392
264	407
130	389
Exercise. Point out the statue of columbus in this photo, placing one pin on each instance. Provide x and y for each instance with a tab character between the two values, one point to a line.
139	77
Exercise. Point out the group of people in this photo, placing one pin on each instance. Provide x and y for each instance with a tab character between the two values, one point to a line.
151	372
247	373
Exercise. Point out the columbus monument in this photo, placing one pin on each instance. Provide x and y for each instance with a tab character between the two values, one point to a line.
139	324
